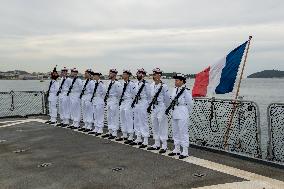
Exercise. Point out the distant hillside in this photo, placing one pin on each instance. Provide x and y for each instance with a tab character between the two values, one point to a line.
20	72
268	74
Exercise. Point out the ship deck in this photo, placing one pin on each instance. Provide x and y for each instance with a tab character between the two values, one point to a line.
37	155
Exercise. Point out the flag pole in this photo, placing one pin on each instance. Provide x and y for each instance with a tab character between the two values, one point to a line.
226	136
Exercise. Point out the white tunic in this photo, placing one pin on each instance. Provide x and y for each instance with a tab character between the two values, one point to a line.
53	90
164	97
77	87
130	91
146	92
100	93
184	104
115	91
88	91
65	86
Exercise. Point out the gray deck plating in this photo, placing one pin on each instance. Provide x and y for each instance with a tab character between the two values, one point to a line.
76	160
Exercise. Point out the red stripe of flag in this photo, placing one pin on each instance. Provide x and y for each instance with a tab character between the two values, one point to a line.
201	83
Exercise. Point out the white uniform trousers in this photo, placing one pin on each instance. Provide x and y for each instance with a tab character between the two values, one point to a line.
180	132
126	117
98	110
141	126
87	110
113	116
52	109
64	108
75	104
160	125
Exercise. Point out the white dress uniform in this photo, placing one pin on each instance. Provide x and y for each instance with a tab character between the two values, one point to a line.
87	105
52	100
113	107
75	101
158	116
126	111
98	107
141	126
180	120
64	101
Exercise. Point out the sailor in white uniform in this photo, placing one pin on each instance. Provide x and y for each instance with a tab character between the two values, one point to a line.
87	105
160	100
140	105
64	101
126	111
52	96
181	104
98	104
75	101
111	100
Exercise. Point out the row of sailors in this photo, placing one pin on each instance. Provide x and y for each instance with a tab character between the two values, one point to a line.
130	102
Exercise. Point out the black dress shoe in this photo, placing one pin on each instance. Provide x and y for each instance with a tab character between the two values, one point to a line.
98	134
162	151
81	129
70	127
86	130
153	148
173	154
92	133
132	143
111	137
52	123
139	143
64	125
119	139
143	146
47	122
59	124
128	142
182	157
105	135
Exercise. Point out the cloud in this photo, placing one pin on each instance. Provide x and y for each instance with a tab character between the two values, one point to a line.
176	35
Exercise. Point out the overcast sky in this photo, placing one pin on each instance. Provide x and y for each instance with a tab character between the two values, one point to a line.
176	35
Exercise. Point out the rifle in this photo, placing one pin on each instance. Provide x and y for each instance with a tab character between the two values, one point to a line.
174	101
123	91
60	88
70	88
108	89
84	88
137	96
95	90
47	93
154	100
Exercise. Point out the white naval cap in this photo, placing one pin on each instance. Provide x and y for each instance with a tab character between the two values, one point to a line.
74	70
157	70
97	73
113	71
127	71
180	76
90	71
141	71
64	69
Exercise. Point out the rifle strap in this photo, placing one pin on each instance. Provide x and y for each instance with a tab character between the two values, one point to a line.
95	90
60	88
71	87
177	96
136	99
155	98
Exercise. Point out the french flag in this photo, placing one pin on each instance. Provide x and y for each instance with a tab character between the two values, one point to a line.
220	77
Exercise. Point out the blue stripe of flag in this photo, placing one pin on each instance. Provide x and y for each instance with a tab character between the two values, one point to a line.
230	71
